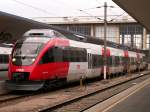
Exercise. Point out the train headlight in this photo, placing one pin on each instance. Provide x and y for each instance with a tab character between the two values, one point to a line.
33	59
14	59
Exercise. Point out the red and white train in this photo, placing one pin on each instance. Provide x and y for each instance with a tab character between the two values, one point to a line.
45	56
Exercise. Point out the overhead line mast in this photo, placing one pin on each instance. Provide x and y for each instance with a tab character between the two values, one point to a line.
105	36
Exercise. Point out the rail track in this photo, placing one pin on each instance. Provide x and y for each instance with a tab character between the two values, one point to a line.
85	102
11	97
75	101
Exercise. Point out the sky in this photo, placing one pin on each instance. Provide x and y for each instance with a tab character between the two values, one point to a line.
59	8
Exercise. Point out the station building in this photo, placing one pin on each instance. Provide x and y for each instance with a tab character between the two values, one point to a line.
125	31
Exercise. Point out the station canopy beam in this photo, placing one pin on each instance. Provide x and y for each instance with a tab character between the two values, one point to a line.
138	9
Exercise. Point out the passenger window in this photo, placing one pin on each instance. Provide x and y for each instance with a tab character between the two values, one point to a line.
73	54
109	62
57	54
47	57
4	58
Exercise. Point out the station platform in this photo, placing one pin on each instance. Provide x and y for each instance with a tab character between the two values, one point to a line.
134	99
138	102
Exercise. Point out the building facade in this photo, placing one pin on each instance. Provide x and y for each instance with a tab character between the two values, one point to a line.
124	31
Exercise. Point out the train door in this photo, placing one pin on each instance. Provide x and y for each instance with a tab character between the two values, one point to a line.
78	64
90	63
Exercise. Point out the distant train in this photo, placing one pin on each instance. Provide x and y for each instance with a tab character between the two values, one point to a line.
4	58
5	51
45	57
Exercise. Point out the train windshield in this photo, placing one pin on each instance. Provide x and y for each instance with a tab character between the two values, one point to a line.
25	53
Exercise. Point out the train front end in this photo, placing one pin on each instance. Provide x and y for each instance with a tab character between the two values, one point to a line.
22	71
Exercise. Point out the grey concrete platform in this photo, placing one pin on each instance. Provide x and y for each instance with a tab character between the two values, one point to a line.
115	100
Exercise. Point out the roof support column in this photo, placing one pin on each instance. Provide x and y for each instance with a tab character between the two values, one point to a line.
132	40
118	36
92	30
144	38
122	39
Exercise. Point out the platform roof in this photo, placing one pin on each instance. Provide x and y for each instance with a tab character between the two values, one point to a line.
138	9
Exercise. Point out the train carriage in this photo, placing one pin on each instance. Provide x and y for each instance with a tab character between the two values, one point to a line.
45	56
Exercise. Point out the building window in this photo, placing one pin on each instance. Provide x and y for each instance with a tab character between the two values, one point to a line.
83	29
148	41
112	32
131	35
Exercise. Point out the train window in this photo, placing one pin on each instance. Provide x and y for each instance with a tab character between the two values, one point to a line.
94	61
47	57
125	60
73	54
81	55
132	61
117	60
144	59
97	61
51	55
66	55
100	60
121	60
113	60
57	53
4	58
1	58
109	61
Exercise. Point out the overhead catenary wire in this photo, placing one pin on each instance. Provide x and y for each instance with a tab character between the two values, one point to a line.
80	10
98	17
118	16
98	1
33	7
90	14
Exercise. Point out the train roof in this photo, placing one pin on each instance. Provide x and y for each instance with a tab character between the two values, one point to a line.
4	50
89	39
39	32
77	37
